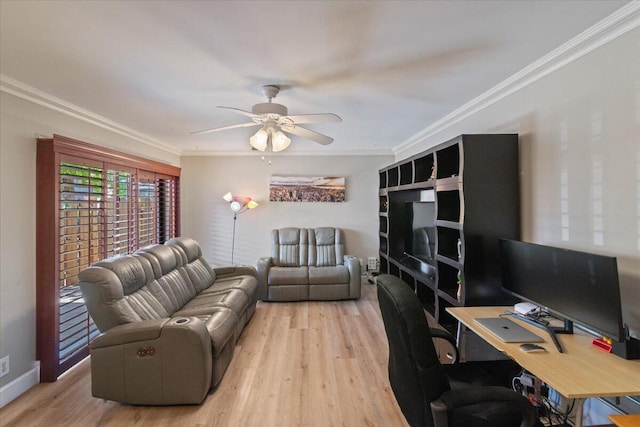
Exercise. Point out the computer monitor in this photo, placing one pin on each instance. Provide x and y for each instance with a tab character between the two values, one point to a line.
576	286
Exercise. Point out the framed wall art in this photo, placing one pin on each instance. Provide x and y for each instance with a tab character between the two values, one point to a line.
306	188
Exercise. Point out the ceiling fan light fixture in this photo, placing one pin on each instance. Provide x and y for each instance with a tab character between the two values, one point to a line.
259	140
273	119
279	141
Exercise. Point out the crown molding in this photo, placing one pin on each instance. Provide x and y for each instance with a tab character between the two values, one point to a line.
618	23
269	154
31	94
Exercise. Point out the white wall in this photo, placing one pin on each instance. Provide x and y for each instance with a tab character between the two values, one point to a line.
20	121
207	217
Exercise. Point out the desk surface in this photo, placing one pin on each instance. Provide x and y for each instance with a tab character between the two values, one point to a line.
581	371
625	420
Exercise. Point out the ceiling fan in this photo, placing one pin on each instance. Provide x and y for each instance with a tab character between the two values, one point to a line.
275	121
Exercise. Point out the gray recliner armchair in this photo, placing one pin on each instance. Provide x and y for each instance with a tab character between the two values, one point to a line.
308	264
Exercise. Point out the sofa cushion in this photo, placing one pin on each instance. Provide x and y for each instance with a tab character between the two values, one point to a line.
199	271
326	246
209	301
289	247
288	276
247	284
172	286
338	274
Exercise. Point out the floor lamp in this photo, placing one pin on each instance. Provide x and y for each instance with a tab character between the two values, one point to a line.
238	205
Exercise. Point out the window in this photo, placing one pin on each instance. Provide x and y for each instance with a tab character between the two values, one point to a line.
92	203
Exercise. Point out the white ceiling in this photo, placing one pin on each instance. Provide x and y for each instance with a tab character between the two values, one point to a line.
158	69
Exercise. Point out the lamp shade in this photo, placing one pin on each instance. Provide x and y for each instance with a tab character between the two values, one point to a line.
235	206
279	141
259	140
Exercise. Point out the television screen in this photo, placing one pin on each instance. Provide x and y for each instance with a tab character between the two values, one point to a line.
578	286
420	239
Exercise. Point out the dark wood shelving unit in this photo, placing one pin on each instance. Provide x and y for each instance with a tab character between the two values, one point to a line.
476	184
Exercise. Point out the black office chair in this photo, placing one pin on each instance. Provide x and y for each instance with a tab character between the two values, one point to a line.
420	383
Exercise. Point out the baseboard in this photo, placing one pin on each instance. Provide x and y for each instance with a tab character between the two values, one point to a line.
20	385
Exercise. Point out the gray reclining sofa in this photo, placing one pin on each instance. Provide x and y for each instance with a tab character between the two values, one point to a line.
308	264
169	323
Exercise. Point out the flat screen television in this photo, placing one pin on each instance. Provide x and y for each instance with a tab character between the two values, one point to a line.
576	286
420	232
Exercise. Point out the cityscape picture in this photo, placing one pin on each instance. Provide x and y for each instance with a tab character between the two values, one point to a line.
306	189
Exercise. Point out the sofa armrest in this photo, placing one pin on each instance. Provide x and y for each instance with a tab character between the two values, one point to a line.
355	280
153	362
130	333
234	270
263	266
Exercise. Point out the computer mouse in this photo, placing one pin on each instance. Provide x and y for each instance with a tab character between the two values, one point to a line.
529	347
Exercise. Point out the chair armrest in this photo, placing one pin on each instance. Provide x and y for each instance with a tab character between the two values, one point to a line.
442	334
355	279
234	270
263	266
153	362
455	399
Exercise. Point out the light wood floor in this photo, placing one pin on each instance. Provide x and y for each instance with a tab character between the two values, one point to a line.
296	364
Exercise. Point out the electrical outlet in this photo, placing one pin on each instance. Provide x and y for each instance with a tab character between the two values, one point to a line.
372	264
4	366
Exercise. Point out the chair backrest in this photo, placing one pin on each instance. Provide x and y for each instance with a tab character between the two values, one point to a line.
326	247
289	247
415	373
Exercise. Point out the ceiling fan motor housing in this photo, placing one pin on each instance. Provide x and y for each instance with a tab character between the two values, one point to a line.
269	108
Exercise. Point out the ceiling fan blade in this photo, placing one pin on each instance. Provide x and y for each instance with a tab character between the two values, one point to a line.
308	134
243	112
242	125
315	118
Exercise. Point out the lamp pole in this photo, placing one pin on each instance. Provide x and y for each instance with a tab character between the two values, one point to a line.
238	205
233	236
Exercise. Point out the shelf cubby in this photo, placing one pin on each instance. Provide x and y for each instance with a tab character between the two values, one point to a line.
449	243
383	225
408	279
383	244
394	269
448	161
423	168
384	204
446	320
393	177
383	179
427	297
384	265
448	280
448	205
406	173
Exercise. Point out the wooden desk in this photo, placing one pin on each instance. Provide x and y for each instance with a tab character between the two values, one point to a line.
625	420
580	372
